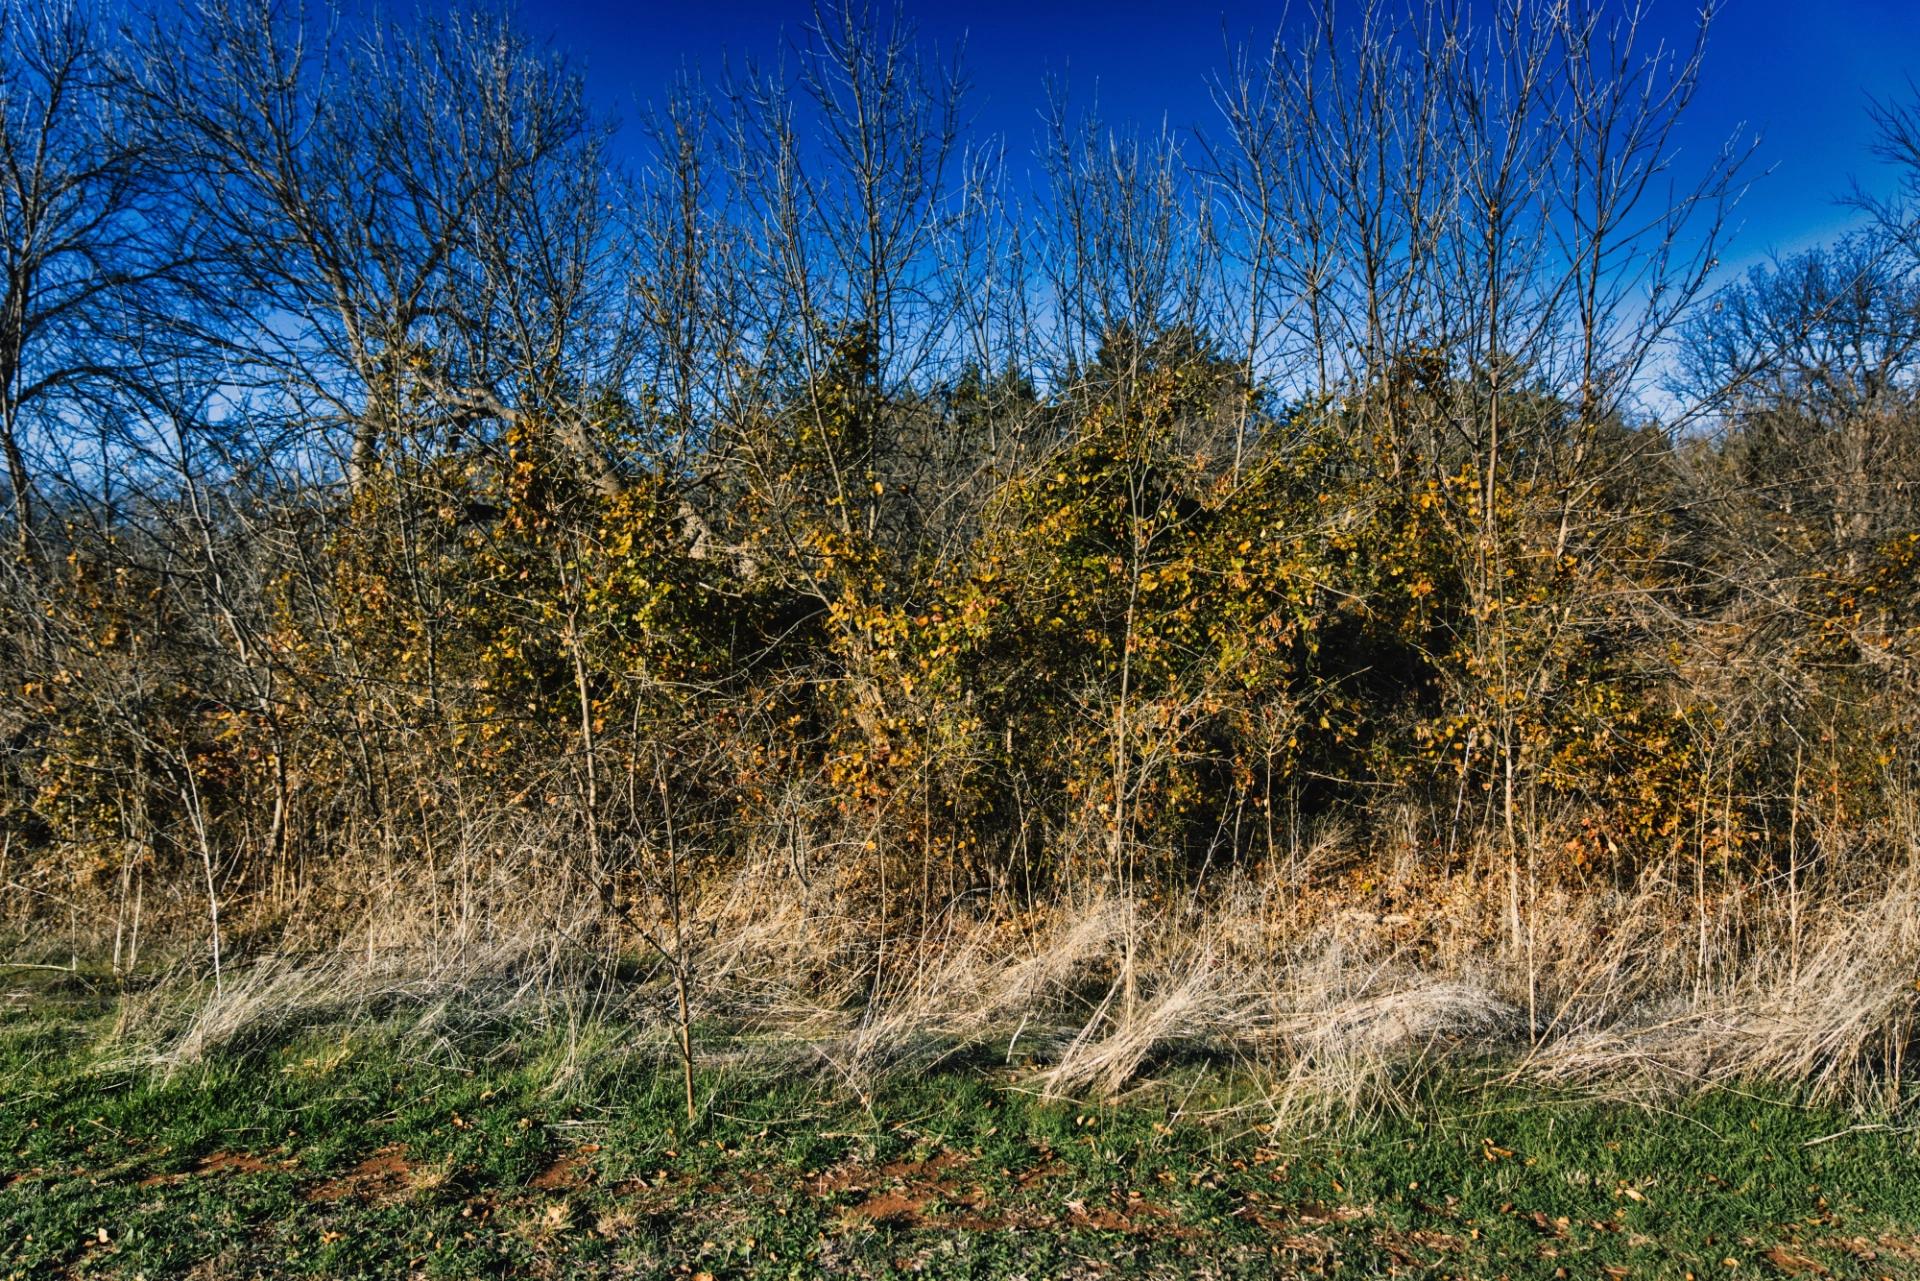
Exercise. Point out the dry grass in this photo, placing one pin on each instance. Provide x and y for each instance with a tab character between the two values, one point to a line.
1335	1009
1831	1009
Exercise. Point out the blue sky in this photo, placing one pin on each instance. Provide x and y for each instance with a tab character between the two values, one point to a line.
1798	74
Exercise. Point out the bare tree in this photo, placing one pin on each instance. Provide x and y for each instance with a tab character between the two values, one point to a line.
1128	245
1815	361
360	200
86	250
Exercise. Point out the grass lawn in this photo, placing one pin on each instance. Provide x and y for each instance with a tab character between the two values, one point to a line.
339	1154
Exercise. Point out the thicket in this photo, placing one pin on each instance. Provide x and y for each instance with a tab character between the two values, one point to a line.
422	496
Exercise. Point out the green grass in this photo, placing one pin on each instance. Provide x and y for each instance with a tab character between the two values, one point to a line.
343	1154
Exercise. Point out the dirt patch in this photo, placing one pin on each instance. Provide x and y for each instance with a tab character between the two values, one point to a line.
387	1175
936	1194
933	1167
1134	1216
1292	1228
916	1194
892	1207
1041	1173
216	1163
569	1171
233	1163
854	1177
1098	1218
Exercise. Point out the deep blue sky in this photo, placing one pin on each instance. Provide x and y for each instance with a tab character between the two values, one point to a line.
1797	72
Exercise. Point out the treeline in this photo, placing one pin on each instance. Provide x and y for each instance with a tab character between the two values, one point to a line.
400	459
